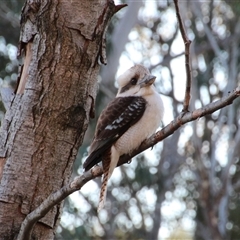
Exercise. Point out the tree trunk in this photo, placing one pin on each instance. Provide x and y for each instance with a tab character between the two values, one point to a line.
49	115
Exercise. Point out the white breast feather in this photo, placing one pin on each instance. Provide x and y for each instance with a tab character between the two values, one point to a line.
144	128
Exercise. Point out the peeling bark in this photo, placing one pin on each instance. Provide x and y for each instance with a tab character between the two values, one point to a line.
48	117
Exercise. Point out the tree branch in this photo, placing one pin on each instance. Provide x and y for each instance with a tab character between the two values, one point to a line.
181	120
53	199
187	43
78	182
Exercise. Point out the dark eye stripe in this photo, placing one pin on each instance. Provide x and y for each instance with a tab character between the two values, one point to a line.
133	81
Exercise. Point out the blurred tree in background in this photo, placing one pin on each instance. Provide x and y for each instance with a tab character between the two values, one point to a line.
190	181
9	37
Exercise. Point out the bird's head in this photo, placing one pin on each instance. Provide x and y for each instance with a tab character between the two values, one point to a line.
135	81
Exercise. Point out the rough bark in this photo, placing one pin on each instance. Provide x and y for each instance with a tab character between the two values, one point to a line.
119	39
49	114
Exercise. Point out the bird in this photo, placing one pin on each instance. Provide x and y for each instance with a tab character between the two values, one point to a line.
129	119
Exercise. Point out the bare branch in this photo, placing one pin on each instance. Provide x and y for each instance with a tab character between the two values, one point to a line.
181	120
57	197
53	199
187	43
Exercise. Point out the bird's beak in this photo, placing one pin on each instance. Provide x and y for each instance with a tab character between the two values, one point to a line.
147	81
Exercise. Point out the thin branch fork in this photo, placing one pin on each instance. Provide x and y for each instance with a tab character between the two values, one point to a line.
79	182
187	44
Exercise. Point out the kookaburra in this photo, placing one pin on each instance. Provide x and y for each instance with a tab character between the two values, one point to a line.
133	116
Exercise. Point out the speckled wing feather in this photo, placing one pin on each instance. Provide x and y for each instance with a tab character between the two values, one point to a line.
115	120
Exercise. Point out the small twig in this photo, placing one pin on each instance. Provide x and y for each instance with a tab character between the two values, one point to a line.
57	197
187	44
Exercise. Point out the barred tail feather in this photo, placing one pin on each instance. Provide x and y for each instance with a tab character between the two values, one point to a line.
106	161
109	162
103	192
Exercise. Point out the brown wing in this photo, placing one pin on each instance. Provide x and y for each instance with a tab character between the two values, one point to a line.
115	120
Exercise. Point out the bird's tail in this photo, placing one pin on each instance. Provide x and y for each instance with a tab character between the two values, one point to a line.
106	161
103	192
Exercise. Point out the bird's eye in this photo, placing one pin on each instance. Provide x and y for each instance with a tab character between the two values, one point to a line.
133	81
